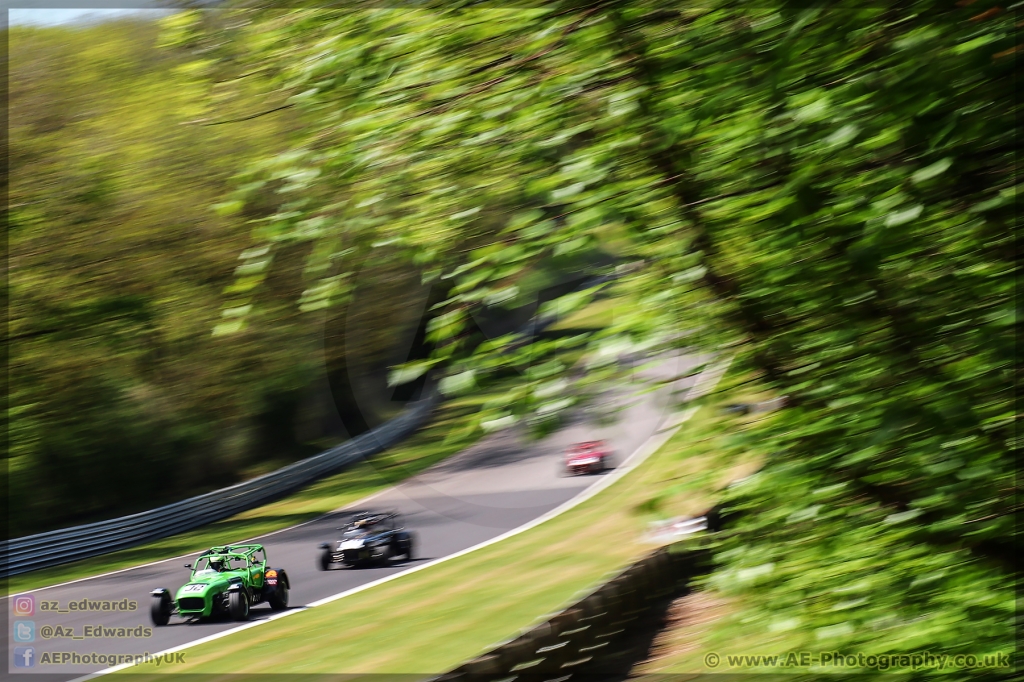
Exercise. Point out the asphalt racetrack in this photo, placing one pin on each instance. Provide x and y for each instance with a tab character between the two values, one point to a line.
499	484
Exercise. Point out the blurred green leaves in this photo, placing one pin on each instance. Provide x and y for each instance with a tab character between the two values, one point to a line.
929	172
830	191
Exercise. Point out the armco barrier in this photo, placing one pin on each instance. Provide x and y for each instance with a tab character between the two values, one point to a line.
69	544
587	637
56	547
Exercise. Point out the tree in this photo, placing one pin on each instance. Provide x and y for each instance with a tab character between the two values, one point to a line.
831	188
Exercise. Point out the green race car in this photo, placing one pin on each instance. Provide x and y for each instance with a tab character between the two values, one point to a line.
225	580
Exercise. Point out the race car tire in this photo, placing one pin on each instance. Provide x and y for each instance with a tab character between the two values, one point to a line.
278	598
387	556
238	605
409	549
324	562
160	609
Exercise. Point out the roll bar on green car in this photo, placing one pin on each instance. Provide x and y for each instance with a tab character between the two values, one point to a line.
225	580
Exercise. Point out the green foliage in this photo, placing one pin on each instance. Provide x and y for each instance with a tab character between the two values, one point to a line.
120	397
831	190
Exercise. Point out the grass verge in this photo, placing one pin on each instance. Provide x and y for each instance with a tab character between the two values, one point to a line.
445	614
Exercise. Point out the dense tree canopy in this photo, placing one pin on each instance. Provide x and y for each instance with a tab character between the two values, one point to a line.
830	192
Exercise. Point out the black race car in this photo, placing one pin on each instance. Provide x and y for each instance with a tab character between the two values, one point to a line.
369	538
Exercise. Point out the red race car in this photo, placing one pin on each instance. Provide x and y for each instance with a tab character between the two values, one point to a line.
590	457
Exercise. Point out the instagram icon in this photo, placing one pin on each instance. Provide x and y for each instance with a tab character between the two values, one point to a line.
24	605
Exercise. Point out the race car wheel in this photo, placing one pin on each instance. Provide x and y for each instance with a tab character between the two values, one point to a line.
324	562
409	549
396	549
278	598
238	605
160	609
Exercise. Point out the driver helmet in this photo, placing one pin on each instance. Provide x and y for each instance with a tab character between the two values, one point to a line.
217	563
